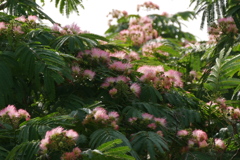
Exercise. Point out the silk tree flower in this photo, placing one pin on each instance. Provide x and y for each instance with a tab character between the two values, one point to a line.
120	55
13	113
132	120
182	133
119	66
17	29
110	80
84	53
191	143
113	91
152	126
99	109
219	144
160	121
21	19
2	26
58	139
147	116
100	54
134	55
23	113
74	155
55	27
71	134
115	125
145	69
236	114
122	78
199	135
136	89
202	144
89	74
174	77
114	115
32	18
100	116
160	133
100	113
105	85
76	69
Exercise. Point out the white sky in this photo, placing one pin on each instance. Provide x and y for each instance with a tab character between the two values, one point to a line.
94	17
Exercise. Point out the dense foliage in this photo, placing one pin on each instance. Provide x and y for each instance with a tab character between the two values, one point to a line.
148	90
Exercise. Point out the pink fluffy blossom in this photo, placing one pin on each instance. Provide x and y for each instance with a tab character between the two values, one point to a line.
132	120
122	78
2	25
134	55
71	134
113	115
136	89
22	19
18	30
89	74
202	144
236	113
99	115
182	133
113	91
44	143
152	125
68	156
219	144
110	80
32	18
160	121
24	113
191	143
147	116
199	135
120	55
160	133
76	69
119	66
11	111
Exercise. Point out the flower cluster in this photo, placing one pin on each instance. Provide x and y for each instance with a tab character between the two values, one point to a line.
148	5
225	26
94	55
113	83
198	139
124	56
116	14
16	26
149	121
140	30
86	74
58	139
74	155
68	29
13	116
230	112
160	78
153	47
120	66
99	117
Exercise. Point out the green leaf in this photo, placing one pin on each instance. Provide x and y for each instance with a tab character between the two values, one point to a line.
101	136
27	151
153	141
